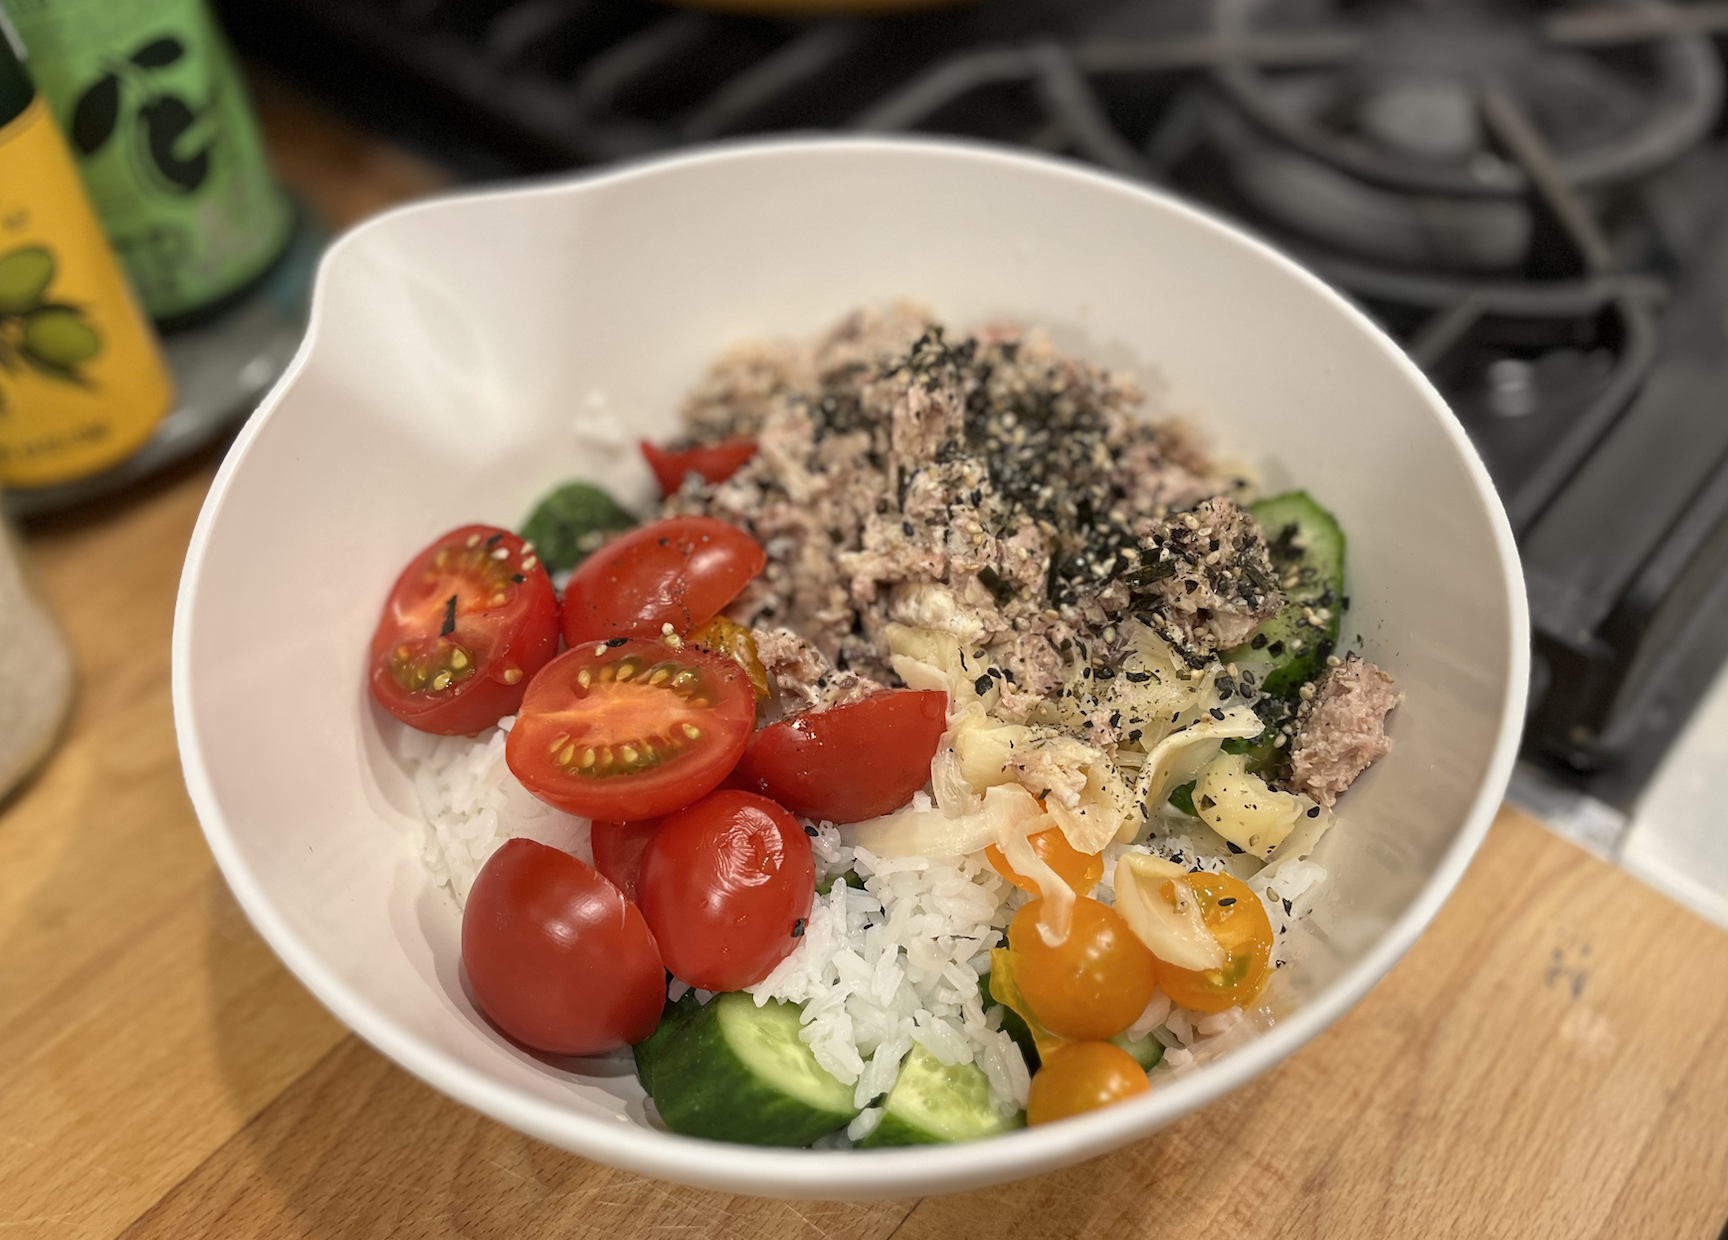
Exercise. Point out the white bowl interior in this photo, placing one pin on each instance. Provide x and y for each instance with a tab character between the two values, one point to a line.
469	353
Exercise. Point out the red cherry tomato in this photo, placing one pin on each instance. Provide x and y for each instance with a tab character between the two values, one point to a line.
556	956
618	849
625	730
467	624
680	571
715	462
852	762
726	886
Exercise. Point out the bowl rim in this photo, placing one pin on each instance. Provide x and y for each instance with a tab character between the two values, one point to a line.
838	1173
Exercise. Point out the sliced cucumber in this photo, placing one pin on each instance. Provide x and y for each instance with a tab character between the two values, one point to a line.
732	1071
1304	541
933	1103
1147	1051
671	1016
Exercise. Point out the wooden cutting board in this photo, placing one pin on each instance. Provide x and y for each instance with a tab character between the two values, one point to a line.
1550	1060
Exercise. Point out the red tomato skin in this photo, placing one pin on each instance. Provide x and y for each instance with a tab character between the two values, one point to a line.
850	763
725	884
557	958
547	711
680	571
526	640
618	849
714	462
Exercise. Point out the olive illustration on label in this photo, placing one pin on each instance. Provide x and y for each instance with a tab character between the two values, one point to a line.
24	276
163	121
50	337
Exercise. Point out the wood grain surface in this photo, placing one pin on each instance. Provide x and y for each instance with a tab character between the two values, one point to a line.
1548	1061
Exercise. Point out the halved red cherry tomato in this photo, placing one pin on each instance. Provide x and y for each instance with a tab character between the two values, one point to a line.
714	462
467	624
1081	1077
557	957
625	729
680	571
726	887
618	849
852	762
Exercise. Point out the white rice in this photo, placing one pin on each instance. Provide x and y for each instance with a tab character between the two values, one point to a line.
471	804
877	970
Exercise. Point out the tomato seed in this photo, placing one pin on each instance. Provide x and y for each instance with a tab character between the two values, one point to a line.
569	753
583	678
693	732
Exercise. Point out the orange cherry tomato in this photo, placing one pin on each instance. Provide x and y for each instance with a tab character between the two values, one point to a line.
1238	919
1092	985
1081	1077
1079	870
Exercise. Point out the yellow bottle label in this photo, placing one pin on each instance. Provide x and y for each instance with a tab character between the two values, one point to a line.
82	383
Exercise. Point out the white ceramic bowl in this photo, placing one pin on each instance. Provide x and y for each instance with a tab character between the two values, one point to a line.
459	347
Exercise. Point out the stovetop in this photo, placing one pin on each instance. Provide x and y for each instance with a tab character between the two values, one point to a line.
1532	198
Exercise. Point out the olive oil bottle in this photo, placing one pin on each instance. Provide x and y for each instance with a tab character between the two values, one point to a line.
82	382
165	138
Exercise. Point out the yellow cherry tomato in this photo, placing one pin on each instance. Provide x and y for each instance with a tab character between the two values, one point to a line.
1081	1077
1238	920
1093	984
1079	870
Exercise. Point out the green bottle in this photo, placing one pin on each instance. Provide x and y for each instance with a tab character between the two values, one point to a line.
148	95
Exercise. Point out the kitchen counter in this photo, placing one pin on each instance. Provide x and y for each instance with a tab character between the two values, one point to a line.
1548	1060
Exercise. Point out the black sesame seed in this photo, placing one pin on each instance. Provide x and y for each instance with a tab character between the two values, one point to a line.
494	540
449	626
798	928
982	685
616	641
1227	901
1314	812
1287	909
810	831
1259	642
518	578
906	528
1216	713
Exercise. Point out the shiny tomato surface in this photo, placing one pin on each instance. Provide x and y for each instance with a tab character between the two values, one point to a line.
558	958
618	849
625	730
1081	871
1081	1077
680	571
726	886
466	626
852	762
1238	921
1093	984
712	462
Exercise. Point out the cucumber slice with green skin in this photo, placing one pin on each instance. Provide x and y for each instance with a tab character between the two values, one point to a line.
1147	1051
571	522
849	877
933	1103
671	1016
1303	539
732	1071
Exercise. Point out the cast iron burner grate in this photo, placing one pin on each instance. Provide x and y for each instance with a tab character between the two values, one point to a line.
1531	197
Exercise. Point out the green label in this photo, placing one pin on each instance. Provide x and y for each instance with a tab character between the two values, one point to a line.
150	101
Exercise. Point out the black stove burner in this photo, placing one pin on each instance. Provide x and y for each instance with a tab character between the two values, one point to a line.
1532	197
